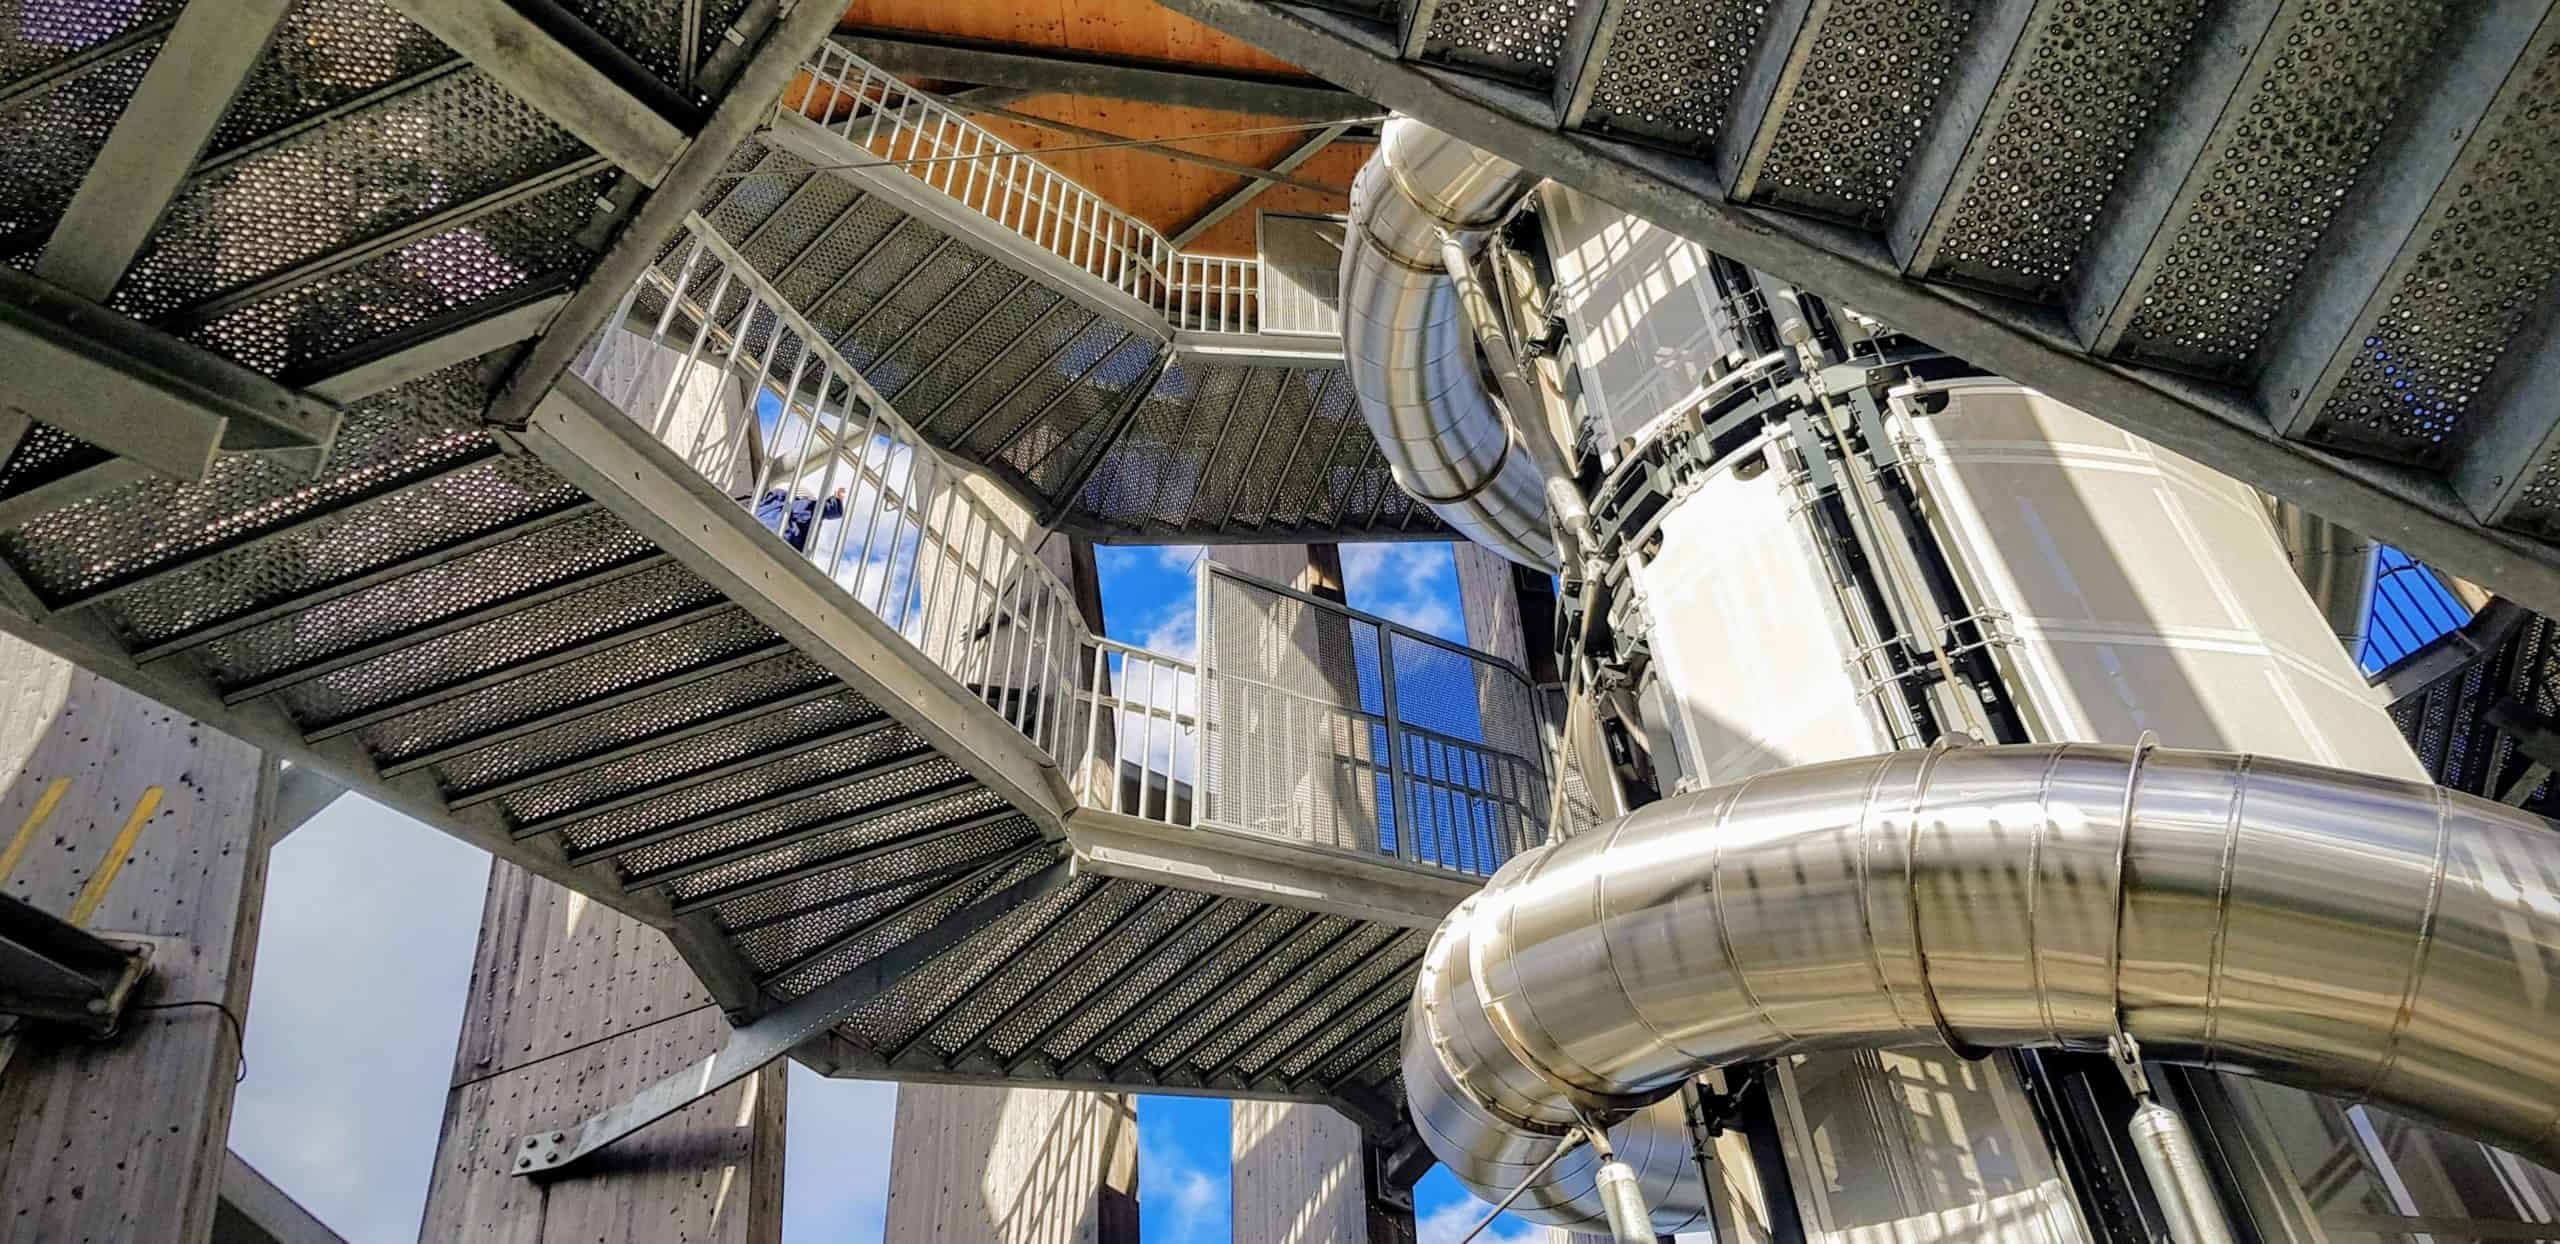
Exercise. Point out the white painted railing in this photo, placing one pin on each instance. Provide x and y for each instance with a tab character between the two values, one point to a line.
1142	732
705	353
726	373
934	143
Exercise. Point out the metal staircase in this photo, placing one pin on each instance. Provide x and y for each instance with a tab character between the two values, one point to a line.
1136	392
2309	243
430	442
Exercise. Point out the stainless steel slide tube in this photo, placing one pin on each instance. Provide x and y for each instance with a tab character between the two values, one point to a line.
1410	351
2371	938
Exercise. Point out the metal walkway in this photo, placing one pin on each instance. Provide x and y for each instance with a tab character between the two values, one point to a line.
427	440
1135	392
2308	243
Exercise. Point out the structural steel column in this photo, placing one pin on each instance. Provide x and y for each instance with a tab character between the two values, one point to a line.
574	1007
126	818
1013	1166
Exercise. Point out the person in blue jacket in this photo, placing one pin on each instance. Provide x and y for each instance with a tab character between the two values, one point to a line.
798	517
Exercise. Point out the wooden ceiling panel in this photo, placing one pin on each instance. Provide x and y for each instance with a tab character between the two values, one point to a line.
1165	192
1336	164
1129	28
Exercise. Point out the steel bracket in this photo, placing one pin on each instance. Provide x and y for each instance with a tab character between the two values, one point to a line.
54	972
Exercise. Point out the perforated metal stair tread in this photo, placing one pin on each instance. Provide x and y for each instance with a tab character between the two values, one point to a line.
2306	243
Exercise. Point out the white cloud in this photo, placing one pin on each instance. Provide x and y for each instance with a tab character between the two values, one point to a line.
358	997
1447	1224
1199	1198
1178	557
1414	584
1175	632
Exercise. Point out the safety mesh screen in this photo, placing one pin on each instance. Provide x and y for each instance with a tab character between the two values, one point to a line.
1328	726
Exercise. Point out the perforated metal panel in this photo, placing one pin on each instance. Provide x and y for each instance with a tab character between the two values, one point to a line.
55	133
515	641
1672	69
420	430
444	142
2074	99
38	34
768	681
326	54
589	683
45	454
677	764
807	770
547	559
910	919
1162	1005
1283	991
2447	724
310	327
1086	1012
1514	39
1867	75
2482	259
2208	291
819	797
797	848
1301	272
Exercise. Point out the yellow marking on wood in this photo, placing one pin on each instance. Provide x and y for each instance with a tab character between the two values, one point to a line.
120	850
45	804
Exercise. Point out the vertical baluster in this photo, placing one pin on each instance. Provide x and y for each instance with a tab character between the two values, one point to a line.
1096	682
675	384
666	315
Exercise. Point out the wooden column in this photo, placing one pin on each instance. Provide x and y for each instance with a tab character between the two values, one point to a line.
1013	1166
1299	1176
127	818
573	1008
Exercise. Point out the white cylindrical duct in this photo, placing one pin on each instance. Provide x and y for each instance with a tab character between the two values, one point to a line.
1410	351
2378	939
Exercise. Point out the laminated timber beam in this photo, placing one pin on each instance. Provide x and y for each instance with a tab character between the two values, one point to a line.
1052	71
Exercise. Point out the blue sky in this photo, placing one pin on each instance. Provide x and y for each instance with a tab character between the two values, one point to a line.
348	1062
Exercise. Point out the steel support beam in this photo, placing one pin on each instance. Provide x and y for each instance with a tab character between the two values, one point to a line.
157	139
605	109
2218	425
56	972
777	1033
1053	71
301	794
254	1211
1170	152
138	393
1313	1040
1237	199
745	101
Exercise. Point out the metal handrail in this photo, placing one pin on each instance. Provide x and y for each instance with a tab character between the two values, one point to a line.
934	560
938	145
720	368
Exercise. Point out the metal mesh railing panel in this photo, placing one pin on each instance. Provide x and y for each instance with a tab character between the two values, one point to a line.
1330	727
